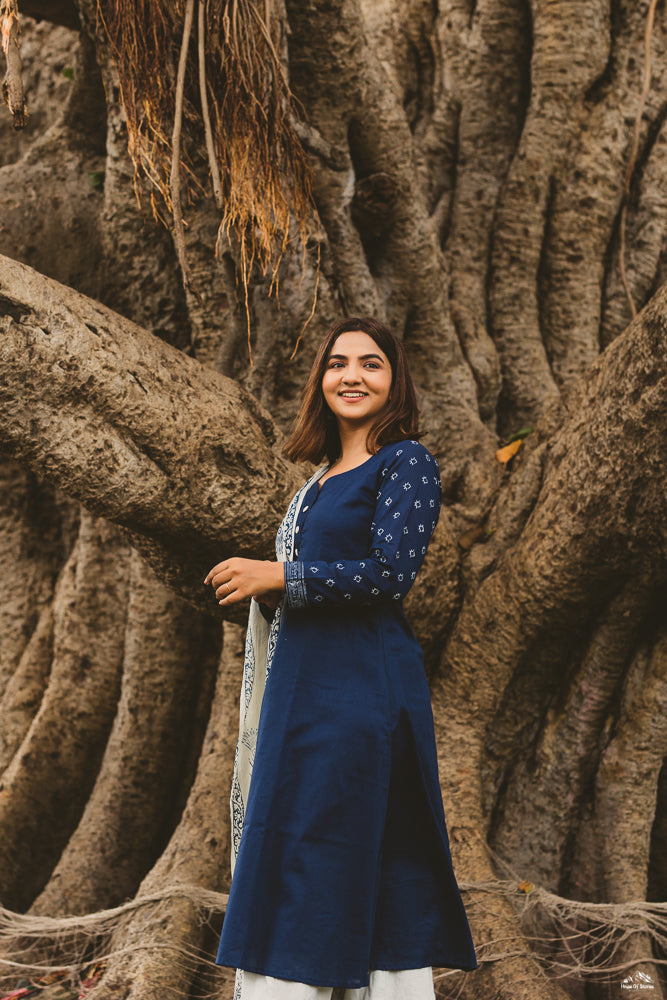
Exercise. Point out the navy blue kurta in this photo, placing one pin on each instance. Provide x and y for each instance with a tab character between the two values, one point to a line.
344	862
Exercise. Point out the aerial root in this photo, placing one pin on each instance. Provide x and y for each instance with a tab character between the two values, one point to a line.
566	937
12	87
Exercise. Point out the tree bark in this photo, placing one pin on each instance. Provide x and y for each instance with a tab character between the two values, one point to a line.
489	177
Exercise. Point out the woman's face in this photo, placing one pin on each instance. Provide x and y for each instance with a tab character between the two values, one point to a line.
357	379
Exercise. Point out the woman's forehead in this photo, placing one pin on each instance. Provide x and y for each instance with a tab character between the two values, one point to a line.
355	344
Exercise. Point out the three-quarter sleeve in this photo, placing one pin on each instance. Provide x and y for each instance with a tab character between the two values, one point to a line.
406	513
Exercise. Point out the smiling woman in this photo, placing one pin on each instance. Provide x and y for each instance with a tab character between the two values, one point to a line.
343	883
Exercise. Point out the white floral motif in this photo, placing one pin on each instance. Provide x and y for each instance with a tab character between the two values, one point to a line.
388	537
413	575
363	565
407	486
421	529
412	553
330	583
417	504
385	572
400	577
397	597
413	460
357	578
425	480
347	596
318	597
339	566
399	452
388	502
394	475
374	590
314	569
423	550
396	514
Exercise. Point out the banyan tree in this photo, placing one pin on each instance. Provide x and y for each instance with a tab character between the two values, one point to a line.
192	191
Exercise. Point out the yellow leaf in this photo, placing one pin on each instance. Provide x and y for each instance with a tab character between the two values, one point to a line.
526	887
509	451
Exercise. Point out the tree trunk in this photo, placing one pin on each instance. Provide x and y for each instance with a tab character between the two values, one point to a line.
488	177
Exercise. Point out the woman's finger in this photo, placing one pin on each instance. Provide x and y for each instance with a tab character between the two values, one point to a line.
215	571
231	598
225	589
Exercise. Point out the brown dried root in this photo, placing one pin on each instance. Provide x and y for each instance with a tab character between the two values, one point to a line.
12	87
175	172
233	101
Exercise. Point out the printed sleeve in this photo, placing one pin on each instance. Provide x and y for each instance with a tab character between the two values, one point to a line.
406	513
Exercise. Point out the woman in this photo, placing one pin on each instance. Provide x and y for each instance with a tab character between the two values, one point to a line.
342	885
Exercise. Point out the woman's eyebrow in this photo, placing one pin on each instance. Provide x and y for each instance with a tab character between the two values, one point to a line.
362	357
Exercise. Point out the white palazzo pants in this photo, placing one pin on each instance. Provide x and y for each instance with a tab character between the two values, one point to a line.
410	984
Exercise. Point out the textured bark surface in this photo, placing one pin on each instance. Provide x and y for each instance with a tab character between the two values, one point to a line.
490	178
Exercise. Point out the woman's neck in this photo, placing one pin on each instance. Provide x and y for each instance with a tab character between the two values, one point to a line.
353	450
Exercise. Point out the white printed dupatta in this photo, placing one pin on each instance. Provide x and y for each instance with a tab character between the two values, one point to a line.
259	647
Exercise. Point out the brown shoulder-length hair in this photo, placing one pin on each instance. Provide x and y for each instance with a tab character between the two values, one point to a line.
315	433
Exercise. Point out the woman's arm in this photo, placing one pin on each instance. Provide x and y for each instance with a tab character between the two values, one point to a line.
406	513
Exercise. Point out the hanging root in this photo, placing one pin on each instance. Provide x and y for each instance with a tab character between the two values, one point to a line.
232	103
566	937
570	938
203	97
175	171
72	944
12	87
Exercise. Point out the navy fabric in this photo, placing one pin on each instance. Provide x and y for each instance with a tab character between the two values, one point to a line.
344	862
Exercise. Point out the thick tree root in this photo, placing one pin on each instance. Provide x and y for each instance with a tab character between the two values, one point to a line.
28	570
47	783
116	458
168	659
173	928
24	692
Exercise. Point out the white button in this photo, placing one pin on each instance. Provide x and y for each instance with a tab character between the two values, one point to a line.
305	509
297	529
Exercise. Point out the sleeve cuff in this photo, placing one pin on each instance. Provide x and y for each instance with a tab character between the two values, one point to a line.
295	585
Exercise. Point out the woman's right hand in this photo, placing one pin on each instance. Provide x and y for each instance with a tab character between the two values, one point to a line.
236	579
